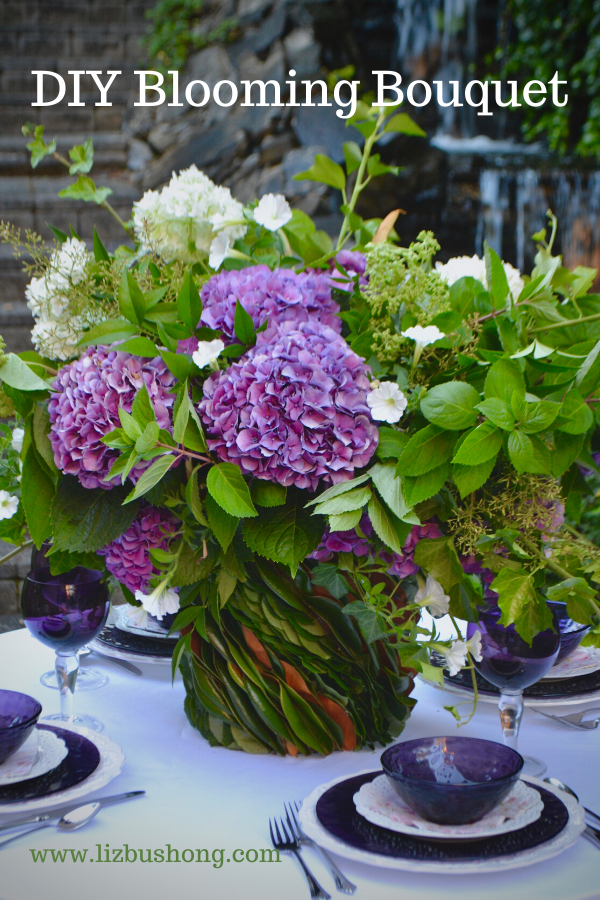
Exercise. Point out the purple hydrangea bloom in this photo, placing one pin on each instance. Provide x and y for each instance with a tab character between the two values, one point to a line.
84	407
278	296
294	409
128	557
353	263
400	565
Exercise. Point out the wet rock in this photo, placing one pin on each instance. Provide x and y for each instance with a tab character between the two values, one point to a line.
320	125
302	52
139	156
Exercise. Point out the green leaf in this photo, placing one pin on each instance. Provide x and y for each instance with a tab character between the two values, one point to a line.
226	485
464	599
328	576
469	478
142	409
352	156
268	493
189	304
147	440
41	430
178	364
422	487
37	495
338	489
346	502
88	520
389	486
136	297
38	147
82	156
243	325
403	124
496	278
451	405
17	374
439	558
372	626
480	445
129	425
222	525
575	416
539	416
346	521
391	443
193	566
324	170
384	525
520	450
59	235
108	332
182	415
567	448
286	535
503	380
426	450
498	412
85	189
520	604
139	346
192	498
100	251
151	476
225	586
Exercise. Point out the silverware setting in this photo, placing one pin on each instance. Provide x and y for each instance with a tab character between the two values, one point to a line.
341	882
67	808
590	833
574	720
123	663
70	821
287	843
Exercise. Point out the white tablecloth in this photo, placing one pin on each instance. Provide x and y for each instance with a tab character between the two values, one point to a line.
201	797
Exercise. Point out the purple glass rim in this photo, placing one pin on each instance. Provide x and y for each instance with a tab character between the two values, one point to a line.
32	718
35	577
563	606
443	737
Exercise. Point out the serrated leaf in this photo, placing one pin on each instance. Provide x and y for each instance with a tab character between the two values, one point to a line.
142	409
496	278
222	525
268	493
384	525
226	485
192	498
539	416
139	346
451	405
422	487
325	171
338	489
567	448
498	413
391	443
470	478
193	566
520	450
345	521
520	604
575	416
286	535
403	124
426	450
17	374
89	519
390	489
151	476
182	416
82	157
85	189
481	444
438	556
503	380
40	432
346	502
108	332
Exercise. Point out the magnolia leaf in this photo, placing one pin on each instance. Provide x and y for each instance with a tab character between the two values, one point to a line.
37	496
226	485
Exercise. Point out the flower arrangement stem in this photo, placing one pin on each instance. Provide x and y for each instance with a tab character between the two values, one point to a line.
359	184
105	204
15	552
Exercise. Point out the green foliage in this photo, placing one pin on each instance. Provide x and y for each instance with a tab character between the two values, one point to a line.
177	30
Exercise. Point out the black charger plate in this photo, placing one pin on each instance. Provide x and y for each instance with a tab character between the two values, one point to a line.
137	643
565	688
82	759
337	813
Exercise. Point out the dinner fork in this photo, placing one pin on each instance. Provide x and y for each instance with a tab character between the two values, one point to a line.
341	882
287	844
574	719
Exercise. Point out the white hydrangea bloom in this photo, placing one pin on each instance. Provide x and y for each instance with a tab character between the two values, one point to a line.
56	330
182	220
474	267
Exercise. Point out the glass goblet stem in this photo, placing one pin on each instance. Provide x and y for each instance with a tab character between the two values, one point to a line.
510	707
66	675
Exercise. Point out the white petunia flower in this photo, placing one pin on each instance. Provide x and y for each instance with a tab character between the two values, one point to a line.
433	597
423	336
456	657
273	212
162	601
387	402
8	505
137	616
219	250
17	439
207	352
181	221
474	267
474	646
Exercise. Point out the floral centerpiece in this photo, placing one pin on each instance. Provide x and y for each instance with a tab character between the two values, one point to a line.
293	447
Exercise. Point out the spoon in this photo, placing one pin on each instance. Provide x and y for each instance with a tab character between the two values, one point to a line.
71	821
563	787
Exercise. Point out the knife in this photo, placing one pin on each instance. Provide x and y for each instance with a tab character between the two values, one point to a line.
591	835
61	810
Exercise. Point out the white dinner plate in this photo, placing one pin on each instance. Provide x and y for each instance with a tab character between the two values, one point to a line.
122	621
573	700
42	752
567	837
378	802
582	661
110	765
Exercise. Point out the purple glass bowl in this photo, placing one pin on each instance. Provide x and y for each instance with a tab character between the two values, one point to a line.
452	780
18	715
571	633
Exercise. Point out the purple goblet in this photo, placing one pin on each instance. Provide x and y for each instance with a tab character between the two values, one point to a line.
512	664
65	612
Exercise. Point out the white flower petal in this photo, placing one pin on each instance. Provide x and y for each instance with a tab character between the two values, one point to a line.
273	212
207	352
137	615
219	250
17	439
8	505
474	646
433	597
474	267
160	602
387	402
456	657
423	335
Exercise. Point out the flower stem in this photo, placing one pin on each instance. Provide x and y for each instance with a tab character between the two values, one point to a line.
359	184
15	551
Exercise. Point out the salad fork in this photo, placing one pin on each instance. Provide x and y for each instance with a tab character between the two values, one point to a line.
341	882
574	719
287	844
